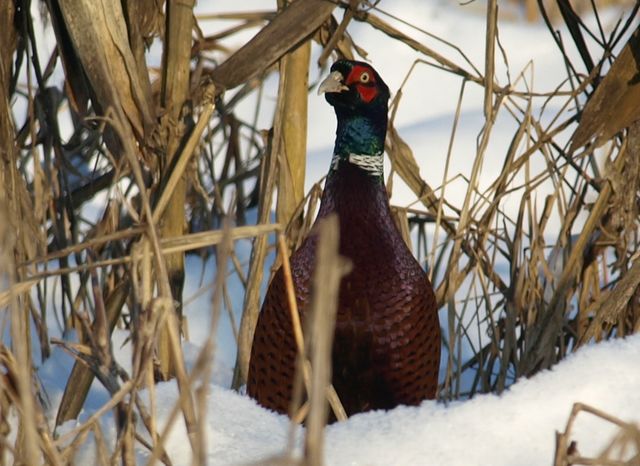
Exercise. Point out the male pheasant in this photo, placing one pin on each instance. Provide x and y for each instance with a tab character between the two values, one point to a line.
386	348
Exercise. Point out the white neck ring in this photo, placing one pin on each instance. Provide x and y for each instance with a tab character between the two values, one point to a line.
372	164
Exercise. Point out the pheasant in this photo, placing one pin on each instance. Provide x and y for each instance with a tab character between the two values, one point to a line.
386	349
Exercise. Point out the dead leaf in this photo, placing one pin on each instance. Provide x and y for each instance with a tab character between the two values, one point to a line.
616	102
288	29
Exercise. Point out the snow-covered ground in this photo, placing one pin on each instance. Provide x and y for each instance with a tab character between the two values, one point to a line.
516	428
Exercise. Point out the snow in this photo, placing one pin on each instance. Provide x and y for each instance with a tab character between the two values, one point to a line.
516	428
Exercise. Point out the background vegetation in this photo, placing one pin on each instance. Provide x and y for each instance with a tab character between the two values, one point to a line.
182	171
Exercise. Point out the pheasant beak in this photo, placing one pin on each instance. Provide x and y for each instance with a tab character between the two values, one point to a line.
332	83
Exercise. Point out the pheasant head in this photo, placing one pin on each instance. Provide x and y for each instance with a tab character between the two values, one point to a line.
360	98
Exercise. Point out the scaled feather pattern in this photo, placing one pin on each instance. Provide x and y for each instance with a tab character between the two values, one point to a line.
386	349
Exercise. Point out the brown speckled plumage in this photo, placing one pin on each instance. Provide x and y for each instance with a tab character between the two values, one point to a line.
386	348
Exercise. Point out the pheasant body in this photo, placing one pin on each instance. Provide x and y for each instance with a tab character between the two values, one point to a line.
386	348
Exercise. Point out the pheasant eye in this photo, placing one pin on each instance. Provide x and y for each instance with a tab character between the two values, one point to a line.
364	77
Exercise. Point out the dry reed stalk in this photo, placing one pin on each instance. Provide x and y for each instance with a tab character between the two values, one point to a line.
95	417
81	377
455	276
394	33
608	307
102	451
294	70
489	59
404	162
99	34
182	243
183	158
289	27
311	201
202	369
33	439
92	243
626	441
204	364
330	268
33	425
14	290
445	177
338	37
267	46
259	250
304	366
164	303
543	337
143	355
401	219
174	93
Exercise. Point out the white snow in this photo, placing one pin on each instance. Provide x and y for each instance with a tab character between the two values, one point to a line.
516	428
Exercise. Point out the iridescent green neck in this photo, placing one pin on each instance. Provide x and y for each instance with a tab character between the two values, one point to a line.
359	134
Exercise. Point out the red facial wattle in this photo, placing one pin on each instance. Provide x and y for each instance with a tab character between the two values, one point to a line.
367	93
367	90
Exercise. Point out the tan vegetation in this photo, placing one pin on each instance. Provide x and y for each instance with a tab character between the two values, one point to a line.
154	139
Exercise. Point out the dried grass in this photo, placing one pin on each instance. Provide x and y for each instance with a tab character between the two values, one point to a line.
520	291
622	450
